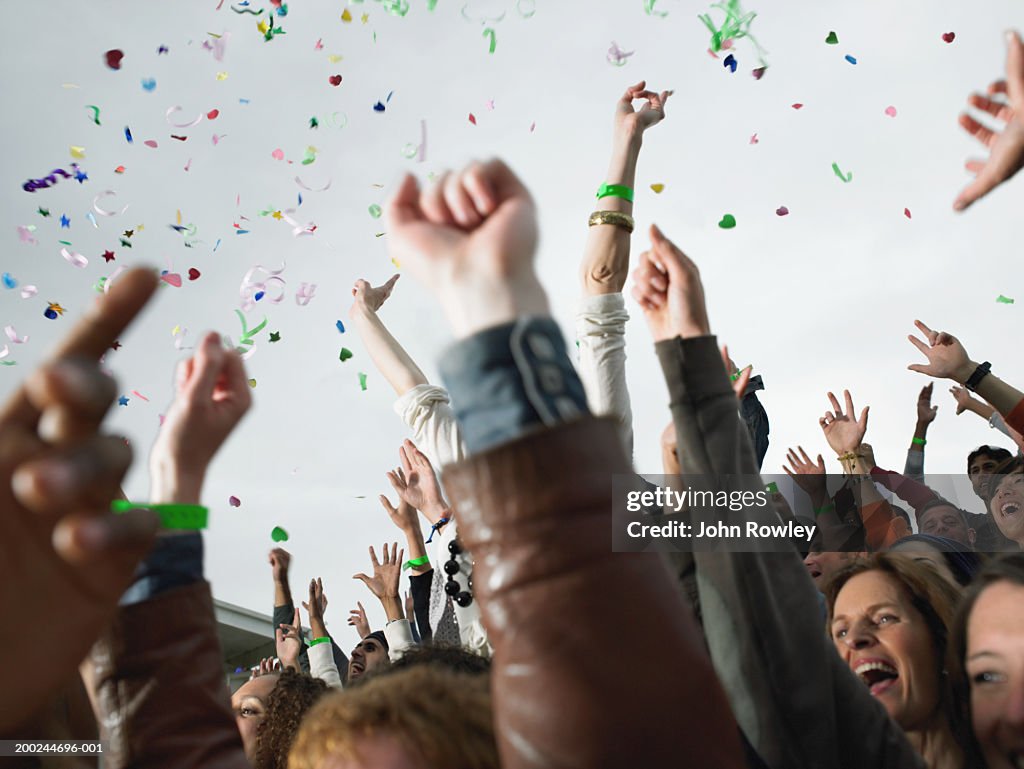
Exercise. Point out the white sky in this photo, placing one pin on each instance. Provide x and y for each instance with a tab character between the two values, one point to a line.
820	299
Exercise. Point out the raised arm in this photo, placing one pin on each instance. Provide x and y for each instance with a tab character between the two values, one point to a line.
1004	102
284	607
914	466
384	584
390	358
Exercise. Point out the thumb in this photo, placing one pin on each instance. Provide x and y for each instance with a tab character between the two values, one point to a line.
364	578
918	367
208	362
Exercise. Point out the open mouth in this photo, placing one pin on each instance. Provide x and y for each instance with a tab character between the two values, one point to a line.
1009	508
877	676
814	571
357	669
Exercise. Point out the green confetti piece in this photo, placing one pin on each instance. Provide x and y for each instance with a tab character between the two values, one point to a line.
832	39
526	8
410	150
650	11
345	355
99	285
728	222
772	488
845	177
490	32
362	381
735	26
314	123
1004	299
95	113
431	5
279	534
375	211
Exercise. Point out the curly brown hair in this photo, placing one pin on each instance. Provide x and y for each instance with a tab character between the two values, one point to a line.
294	694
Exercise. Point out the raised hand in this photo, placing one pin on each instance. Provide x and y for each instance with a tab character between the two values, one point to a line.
471	239
288	642
1006	149
280	560
58	474
947	358
925	410
631	122
386	574
964	400
357	619
267	665
667	286
404	516
417	486
369	298
808	475
315	607
739	379
212	395
843	433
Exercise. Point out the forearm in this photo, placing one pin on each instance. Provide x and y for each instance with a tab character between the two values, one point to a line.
392	607
920	437
283	593
1002	396
318	628
606	254
416	549
390	358
980	408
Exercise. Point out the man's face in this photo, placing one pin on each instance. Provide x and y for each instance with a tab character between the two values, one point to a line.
368	655
946	521
980	471
821	566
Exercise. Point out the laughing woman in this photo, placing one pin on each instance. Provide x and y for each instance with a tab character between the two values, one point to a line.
988	643
1006	504
889	617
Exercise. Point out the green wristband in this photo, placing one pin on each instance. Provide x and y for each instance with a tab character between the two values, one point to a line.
412	563
739	373
615	191
315	641
824	509
918	441
171	516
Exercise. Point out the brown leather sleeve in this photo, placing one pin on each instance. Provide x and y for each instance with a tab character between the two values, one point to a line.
597	660
159	689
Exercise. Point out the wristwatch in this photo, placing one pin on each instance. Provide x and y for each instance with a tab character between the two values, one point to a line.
979	373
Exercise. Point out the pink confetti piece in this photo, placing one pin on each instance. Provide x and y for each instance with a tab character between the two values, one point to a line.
948	37
234	501
472	118
798	105
782	211
754	139
890	111
25	234
151	143
188	165
533	126
189	124
13	335
28	292
277	154
113	276
251	287
906	213
305	293
490	105
106	211
74	258
172	278
216	139
137	394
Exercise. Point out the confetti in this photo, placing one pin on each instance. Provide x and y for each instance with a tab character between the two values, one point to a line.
850	59
137	394
489	31
375	211
65	223
53	310
252	383
948	37
754	139
782	211
379	107
189	124
113	58
277	154
13	335
1004	299
148	84
171	278
758	72
362	381
617	56
846	178
122	401
234	501
307	188
346	16
25	233
105	211
657	188
28	292
344	355
338	325
279	534
890	111
472	118
246	341
735	26
728	222
730	63
74	258
906	213
151	143
108	256
10	282
798	105
305	293
38	184
334	80
128	135
193	273
650	11
95	113
832	39
247	10
275	336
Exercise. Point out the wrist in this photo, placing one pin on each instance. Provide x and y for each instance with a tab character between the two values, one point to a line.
627	139
171	484
962	373
392	607
921	429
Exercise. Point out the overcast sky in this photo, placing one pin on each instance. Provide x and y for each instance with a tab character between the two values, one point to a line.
820	299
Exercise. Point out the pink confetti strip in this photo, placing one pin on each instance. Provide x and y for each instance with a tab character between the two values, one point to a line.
307	188
106	211
25	233
137	394
74	258
13	335
191	123
28	292
250	287
107	283
305	293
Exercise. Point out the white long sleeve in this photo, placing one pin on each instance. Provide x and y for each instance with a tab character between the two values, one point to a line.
399	636
321	665
426	410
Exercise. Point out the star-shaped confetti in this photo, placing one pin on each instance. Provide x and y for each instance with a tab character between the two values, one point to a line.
129	233
108	255
81	175
277	215
275	336
65	223
161	49
125	243
122	401
44	211
314	123
56	308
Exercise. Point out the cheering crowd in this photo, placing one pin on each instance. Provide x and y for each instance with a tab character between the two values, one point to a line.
521	639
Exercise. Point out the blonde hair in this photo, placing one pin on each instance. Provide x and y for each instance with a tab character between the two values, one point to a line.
442	717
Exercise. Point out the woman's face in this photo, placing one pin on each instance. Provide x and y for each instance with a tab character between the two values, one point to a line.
995	670
250	705
922	551
888	644
1007	507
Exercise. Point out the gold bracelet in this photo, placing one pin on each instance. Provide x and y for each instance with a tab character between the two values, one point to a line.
847	457
617	218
